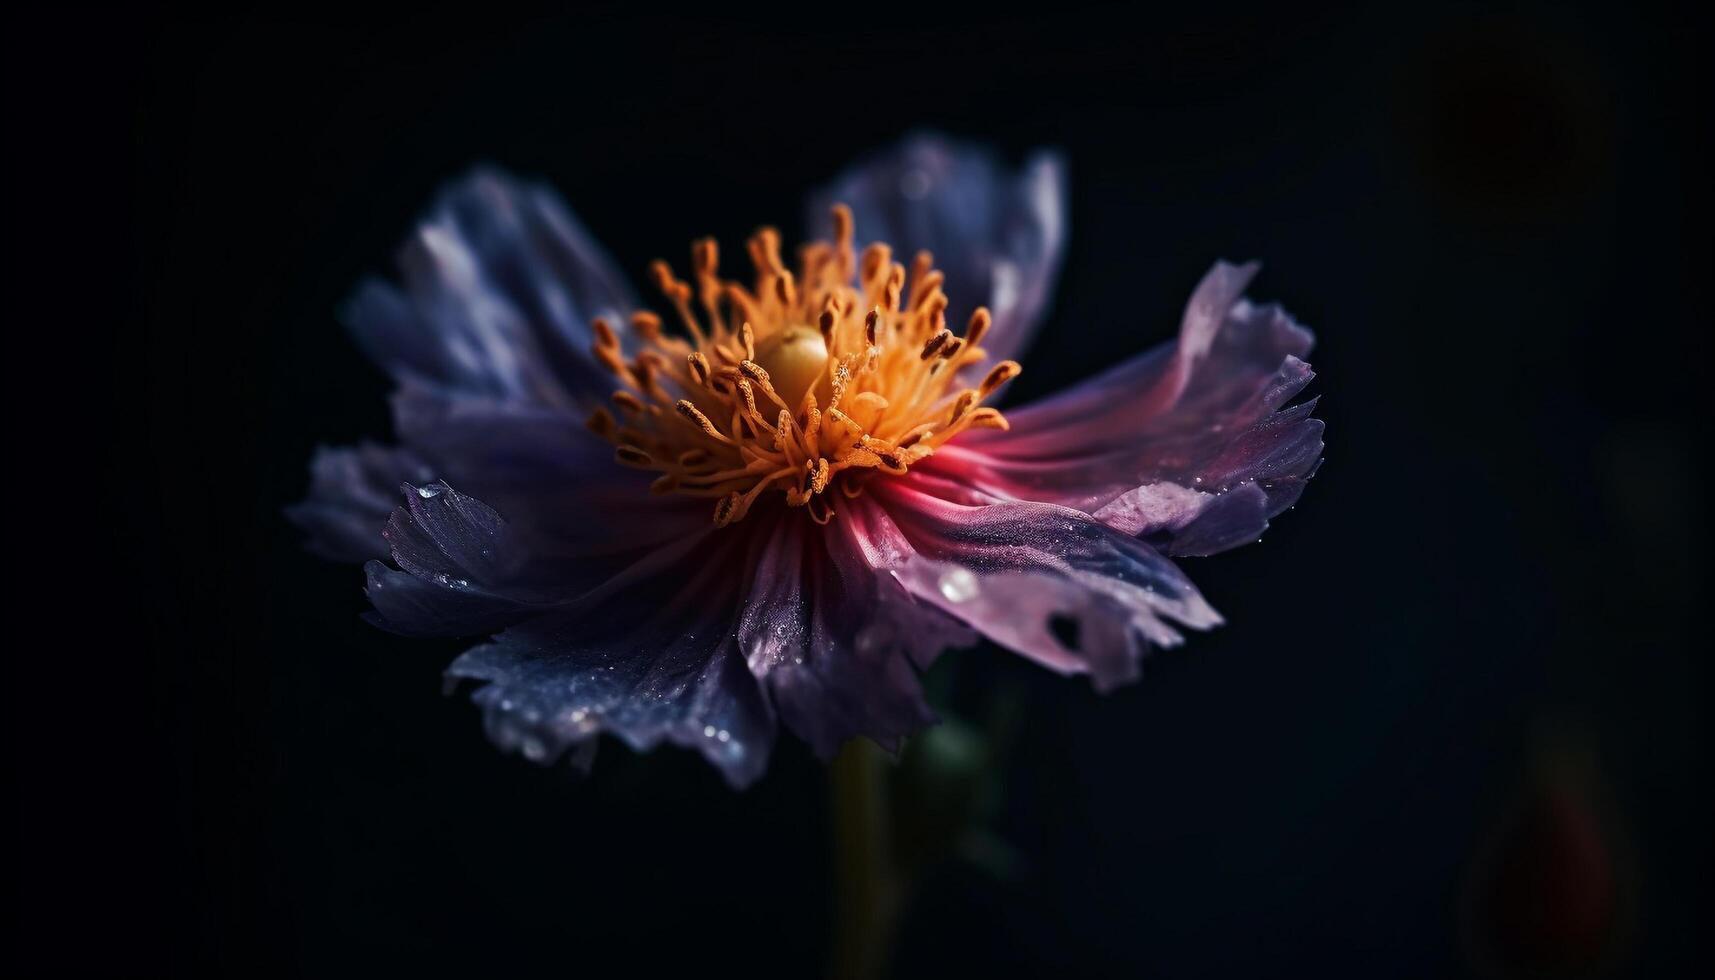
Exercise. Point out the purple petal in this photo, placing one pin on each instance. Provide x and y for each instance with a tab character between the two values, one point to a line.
352	492
500	286
550	477
649	657
1049	582
1189	522
997	233
835	639
1227	351
1186	445
462	571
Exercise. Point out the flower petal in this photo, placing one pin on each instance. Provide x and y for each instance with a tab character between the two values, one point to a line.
997	233
834	639
1186	445
1227	352
461	572
352	492
500	286
1049	582
648	657
551	478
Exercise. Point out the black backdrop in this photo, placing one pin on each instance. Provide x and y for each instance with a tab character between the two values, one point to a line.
1494	222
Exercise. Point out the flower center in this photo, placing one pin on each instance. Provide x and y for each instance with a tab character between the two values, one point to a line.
799	383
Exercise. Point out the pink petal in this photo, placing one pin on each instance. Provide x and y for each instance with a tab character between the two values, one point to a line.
1047	581
1186	444
835	639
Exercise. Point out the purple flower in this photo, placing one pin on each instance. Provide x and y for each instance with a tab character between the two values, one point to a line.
785	506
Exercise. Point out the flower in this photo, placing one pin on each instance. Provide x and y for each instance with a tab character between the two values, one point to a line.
785	508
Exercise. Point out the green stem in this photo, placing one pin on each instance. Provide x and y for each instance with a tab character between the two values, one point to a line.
866	892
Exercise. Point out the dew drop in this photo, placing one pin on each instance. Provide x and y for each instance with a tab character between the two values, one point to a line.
958	585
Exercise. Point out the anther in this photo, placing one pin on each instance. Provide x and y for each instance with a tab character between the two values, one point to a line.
934	308
698	366
602	424
979	326
754	372
604	335
632	456
628	401
647	324
927	287
611	358
964	403
935	343
843	421
921	263
698	419
767	245
705	256
869	325
875	258
998	375
842	226
895	286
726	509
988	418
826	322
662	274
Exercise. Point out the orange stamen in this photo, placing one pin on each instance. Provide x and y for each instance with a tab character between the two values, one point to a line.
861	345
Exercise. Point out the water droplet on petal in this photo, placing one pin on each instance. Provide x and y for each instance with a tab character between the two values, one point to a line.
958	585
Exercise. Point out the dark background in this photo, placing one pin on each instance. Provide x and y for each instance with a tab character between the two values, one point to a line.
1458	682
